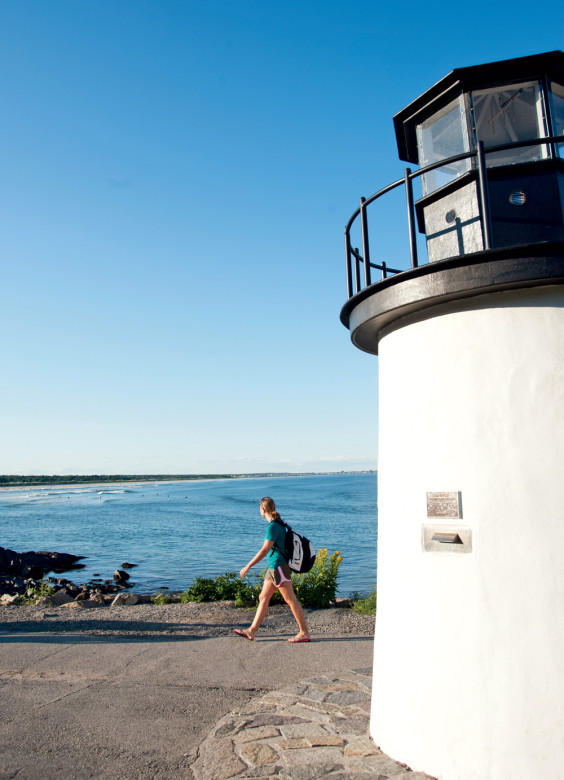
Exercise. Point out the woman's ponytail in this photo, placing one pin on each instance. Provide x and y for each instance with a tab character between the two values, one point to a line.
267	505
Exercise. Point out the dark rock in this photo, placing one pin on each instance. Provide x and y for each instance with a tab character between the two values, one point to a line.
120	576
128	565
105	588
8	559
73	567
12	585
12	562
35	572
109	586
68	589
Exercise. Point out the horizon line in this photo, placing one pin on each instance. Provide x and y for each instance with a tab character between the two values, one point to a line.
6	479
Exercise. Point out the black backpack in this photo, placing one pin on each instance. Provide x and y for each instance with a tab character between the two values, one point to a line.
298	550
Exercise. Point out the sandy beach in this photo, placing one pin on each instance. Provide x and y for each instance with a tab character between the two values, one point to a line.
113	483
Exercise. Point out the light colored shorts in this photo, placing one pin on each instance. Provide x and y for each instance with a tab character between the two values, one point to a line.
279	575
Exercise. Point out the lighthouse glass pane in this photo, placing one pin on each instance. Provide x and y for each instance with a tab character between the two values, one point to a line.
557	109
506	115
443	135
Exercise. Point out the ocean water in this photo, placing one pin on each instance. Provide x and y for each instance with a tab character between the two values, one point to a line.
177	531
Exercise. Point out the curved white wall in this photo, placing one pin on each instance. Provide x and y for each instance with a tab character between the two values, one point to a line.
469	651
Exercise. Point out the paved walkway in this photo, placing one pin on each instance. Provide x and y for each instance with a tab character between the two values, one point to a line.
309	730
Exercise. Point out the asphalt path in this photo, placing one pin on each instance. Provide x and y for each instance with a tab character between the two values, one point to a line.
77	706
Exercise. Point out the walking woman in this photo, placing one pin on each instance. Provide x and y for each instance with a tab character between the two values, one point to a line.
278	575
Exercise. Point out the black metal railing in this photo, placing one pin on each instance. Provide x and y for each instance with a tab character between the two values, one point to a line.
355	259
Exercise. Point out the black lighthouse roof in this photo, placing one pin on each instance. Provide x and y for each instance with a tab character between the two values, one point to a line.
549	64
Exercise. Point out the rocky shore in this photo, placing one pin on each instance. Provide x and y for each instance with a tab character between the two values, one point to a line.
108	609
21	573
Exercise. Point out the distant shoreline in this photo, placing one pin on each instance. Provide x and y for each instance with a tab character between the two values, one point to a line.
136	483
21	482
102	481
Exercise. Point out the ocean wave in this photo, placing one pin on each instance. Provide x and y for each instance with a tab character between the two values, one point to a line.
238	500
13	498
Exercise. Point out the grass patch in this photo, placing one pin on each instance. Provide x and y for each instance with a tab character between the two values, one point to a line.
161	598
365	605
36	592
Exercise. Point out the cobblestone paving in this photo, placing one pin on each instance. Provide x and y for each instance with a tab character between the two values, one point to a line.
309	730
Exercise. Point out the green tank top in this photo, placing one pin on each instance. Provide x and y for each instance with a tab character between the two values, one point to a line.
277	534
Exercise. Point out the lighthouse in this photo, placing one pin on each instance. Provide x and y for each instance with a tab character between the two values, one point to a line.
468	327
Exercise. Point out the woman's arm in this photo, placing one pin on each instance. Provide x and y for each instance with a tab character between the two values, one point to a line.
264	550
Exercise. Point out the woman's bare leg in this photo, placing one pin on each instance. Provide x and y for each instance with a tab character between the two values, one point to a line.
264	601
289	596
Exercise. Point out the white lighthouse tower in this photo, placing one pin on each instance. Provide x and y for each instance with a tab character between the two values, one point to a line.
469	645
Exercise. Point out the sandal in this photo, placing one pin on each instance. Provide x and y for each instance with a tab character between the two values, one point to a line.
242	633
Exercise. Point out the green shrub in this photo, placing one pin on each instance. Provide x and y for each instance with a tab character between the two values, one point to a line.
202	589
365	605
249	592
316	588
226	587
230	586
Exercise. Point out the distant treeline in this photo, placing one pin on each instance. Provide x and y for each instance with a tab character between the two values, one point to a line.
11	480
15	480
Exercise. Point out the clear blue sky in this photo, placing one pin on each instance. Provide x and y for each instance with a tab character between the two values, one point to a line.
175	177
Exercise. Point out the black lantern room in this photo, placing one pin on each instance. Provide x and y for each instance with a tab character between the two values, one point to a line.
504	104
489	141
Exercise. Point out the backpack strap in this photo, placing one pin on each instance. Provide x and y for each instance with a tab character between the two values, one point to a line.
287	528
